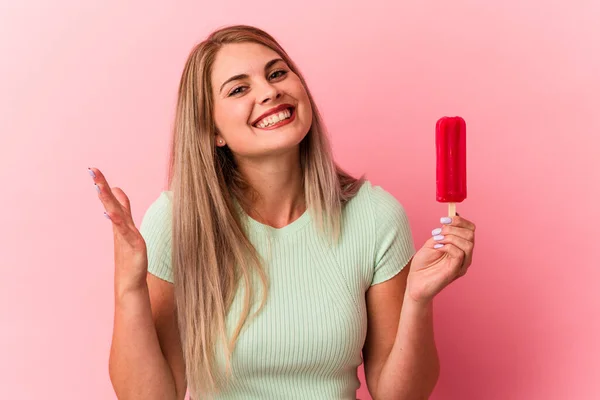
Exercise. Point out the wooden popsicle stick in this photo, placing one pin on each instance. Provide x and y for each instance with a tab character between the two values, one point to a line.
452	209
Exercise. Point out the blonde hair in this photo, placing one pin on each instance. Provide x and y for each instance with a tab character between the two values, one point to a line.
211	252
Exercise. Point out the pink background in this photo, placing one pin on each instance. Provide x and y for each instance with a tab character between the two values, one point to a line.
94	85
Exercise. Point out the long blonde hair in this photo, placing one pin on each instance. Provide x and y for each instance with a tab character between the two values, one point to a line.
211	252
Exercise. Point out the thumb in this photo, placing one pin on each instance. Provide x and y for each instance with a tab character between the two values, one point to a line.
122	198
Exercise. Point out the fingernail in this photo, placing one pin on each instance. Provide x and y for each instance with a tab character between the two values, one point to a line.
97	188
445	220
437	246
436	231
92	174
438	237
106	215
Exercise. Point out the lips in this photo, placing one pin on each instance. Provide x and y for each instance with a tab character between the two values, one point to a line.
272	111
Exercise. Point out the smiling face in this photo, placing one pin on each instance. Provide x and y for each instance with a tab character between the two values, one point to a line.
260	106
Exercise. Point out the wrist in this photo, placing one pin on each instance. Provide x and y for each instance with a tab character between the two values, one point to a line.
125	292
417	291
417	306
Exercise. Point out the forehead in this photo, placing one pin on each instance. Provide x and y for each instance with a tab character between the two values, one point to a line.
240	58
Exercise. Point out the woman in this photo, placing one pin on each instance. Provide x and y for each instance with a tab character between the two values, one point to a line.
265	270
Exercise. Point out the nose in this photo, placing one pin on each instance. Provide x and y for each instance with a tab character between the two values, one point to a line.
268	92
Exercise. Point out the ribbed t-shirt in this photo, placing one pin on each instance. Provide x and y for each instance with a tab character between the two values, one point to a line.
306	343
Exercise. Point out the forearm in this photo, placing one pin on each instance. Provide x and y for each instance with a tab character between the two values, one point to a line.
137	367
412	368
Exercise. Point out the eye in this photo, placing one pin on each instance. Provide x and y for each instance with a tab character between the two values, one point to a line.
236	90
277	74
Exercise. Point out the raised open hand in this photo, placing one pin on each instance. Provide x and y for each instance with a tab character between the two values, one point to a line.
131	258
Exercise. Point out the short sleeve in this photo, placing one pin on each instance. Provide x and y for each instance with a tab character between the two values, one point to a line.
156	229
394	241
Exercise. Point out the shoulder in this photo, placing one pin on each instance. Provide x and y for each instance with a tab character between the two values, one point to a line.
162	203
156	229
376	213
159	213
377	201
165	197
376	218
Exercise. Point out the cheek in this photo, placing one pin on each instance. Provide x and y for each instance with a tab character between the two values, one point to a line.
307	108
296	90
229	117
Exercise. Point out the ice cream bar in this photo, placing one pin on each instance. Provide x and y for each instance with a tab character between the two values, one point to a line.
451	169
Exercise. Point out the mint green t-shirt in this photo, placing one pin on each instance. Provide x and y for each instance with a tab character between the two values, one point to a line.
306	343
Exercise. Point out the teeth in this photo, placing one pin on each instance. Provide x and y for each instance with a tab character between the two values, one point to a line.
273	119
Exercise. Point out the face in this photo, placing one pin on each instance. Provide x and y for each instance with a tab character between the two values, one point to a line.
260	106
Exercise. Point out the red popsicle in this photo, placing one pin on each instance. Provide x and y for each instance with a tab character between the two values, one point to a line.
451	170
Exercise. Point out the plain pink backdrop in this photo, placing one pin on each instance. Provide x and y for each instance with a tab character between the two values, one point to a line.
94	85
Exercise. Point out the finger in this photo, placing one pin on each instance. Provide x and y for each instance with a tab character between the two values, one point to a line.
461	222
122	198
457	255
464	233
445	245
110	203
460	243
114	209
106	195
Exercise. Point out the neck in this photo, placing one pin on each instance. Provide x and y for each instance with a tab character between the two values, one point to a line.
278	187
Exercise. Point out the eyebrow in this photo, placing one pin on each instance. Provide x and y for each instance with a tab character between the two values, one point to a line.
244	76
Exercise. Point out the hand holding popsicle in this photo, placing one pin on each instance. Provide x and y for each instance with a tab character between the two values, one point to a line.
447	255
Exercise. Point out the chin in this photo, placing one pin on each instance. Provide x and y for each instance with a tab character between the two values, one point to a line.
272	148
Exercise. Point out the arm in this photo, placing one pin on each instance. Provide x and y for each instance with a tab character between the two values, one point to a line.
146	361
400	357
